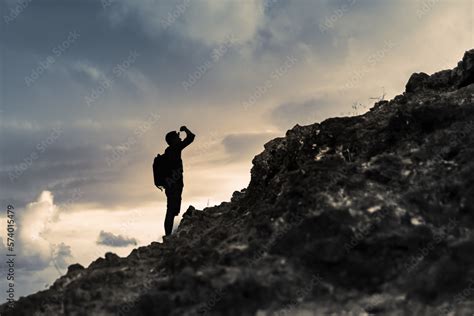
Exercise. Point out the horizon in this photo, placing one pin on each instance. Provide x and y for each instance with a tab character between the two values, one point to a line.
90	88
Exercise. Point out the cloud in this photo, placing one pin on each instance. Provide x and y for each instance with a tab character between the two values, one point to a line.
242	19
60	256
93	73
77	159
33	223
19	125
41	258
209	22
109	239
32	241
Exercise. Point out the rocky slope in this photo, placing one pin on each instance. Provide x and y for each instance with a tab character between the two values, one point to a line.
365	214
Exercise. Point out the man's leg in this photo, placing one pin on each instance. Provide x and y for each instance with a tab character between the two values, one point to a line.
178	192
173	195
169	219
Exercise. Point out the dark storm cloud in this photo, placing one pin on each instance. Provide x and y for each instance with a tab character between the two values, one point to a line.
167	55
35	159
64	159
38	34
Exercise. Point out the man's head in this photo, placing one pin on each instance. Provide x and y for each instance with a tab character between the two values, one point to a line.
172	138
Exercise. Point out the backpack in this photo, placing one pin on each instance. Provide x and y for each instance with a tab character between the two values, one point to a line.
161	170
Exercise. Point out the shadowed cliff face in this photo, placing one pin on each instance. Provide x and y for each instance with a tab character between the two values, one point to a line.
372	213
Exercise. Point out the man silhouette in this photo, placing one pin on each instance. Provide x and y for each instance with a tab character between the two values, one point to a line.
174	182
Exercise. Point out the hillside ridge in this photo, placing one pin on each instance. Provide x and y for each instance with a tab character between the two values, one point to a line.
363	214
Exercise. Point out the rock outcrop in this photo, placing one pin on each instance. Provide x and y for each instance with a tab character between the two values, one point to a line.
365	214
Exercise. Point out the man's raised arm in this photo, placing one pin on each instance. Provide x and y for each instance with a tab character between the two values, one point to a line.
189	137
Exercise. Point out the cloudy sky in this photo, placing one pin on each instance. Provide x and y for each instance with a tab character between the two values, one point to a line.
88	89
